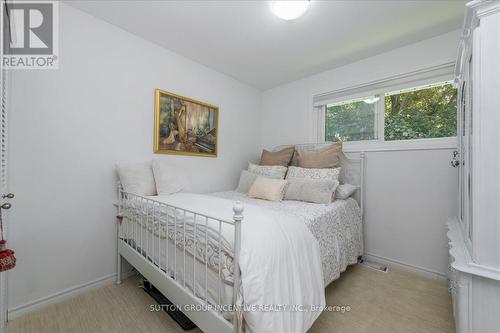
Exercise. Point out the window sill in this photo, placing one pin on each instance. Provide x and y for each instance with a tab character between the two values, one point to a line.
400	145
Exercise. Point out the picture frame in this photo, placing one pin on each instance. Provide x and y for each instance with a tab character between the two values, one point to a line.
184	126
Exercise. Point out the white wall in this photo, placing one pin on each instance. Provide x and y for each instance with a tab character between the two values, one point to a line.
68	128
409	194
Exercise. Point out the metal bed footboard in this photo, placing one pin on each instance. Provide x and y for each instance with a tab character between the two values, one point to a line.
148	227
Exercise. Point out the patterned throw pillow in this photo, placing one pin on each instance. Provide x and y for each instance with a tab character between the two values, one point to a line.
270	171
318	174
309	190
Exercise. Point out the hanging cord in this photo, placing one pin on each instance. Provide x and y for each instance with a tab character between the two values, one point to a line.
2	241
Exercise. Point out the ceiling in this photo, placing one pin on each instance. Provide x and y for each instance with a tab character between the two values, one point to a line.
243	39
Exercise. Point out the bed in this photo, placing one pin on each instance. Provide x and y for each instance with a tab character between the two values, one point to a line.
198	251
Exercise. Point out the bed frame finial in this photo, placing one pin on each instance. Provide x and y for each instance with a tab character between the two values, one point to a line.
237	217
238	211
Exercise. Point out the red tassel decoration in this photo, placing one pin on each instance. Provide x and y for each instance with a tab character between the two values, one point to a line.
7	258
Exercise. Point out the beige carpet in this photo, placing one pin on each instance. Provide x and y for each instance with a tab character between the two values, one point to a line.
396	302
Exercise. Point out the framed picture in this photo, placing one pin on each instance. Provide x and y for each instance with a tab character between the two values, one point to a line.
184	126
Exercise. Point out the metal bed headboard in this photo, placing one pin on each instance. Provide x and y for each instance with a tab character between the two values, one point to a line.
352	167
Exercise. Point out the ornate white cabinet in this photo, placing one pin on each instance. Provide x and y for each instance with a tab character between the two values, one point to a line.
474	234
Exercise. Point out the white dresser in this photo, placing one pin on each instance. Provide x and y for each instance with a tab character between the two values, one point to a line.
474	234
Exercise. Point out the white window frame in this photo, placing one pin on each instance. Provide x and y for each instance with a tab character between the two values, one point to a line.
380	144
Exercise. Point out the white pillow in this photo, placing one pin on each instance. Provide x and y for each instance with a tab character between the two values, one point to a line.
169	179
267	189
344	191
270	171
310	190
137	178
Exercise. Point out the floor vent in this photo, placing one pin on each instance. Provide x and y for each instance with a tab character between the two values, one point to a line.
373	265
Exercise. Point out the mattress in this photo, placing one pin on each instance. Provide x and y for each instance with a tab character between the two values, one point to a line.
336	226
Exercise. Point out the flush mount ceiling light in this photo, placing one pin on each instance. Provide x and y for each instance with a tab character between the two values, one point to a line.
289	10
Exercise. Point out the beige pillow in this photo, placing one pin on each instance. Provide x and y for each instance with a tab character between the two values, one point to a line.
267	189
327	157
282	157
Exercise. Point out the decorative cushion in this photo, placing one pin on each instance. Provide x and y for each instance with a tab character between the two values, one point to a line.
169	179
344	191
318	174
267	189
309	190
326	157
246	181
282	157
137	178
270	171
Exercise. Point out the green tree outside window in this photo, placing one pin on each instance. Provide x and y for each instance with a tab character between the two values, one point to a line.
424	113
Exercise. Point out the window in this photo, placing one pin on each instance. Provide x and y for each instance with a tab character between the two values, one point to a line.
352	120
419	112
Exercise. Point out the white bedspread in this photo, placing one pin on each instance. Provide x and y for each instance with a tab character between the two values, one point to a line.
280	262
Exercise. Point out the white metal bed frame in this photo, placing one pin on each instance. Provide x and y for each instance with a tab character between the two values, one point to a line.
135	211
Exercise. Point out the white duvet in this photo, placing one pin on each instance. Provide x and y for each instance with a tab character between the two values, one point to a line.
280	265
280	262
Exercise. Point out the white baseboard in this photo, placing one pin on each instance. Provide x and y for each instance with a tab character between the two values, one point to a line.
64	295
111	278
391	263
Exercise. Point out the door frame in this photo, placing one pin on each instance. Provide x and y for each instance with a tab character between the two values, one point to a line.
4	88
